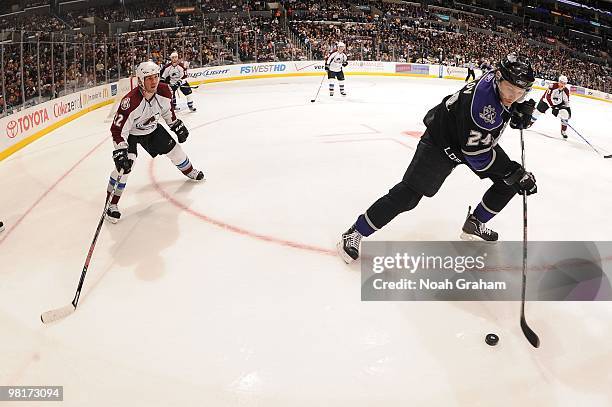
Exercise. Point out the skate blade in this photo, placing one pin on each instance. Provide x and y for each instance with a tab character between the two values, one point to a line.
347	259
111	219
473	238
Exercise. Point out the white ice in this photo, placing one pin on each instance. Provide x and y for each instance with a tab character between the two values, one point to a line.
228	293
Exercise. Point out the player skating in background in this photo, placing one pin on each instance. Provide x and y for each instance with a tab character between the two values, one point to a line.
470	68
556	97
333	65
136	122
464	129
175	75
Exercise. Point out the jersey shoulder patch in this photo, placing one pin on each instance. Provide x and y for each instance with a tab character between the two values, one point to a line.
131	100
486	109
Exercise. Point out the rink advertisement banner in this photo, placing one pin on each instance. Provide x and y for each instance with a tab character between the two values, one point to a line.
478	271
21	128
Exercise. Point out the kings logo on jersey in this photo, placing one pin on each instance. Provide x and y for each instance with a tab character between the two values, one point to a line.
488	114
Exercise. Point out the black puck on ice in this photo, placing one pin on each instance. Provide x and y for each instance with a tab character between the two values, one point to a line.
491	339
312	100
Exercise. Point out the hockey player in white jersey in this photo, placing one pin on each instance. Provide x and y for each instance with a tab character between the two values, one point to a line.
175	75
556	97
137	122
333	65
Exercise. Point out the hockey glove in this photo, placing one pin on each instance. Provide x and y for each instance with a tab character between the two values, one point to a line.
521	114
326	68
122	162
521	181
180	130
344	63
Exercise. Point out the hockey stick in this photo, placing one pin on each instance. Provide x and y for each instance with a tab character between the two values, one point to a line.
531	336
63	312
319	90
590	145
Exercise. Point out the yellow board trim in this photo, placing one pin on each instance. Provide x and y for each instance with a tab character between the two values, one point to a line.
21	144
30	139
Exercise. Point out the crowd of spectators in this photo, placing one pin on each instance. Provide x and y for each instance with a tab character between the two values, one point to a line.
372	30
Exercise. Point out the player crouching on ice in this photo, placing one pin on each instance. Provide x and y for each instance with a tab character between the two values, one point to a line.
464	129
333	65
175	75
557	98
136	122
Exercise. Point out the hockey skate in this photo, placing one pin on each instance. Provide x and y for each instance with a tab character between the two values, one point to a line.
112	214
1	226
564	134
343	93
196	175
331	93
473	229
348	247
192	108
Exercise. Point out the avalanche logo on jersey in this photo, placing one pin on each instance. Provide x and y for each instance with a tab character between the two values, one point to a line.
488	114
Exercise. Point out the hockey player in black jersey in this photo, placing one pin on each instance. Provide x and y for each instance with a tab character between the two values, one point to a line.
464	129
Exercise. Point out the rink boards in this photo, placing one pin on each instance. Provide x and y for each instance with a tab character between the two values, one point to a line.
22	128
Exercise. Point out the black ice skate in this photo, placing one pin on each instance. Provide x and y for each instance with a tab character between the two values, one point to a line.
195	175
1	226
112	214
473	229
348	247
192	108
343	93
331	93
564	134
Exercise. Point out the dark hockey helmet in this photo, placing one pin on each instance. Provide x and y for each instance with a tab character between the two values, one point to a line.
517	70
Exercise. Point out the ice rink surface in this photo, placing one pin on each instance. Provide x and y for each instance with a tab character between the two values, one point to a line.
229	293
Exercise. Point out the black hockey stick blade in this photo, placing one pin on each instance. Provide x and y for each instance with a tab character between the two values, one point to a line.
608	156
531	336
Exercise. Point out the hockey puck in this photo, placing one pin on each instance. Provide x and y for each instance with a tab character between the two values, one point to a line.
312	100
491	339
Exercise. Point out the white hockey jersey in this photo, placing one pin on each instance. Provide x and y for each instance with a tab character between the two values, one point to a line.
173	73
139	117
335	61
555	96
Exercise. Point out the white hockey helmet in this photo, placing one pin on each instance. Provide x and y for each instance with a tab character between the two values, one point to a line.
174	54
341	44
145	69
563	79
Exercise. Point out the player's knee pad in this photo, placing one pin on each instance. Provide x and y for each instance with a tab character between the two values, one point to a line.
542	106
564	113
186	89
498	196
403	197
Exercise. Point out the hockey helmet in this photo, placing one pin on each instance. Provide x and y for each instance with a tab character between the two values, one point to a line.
173	55
145	69
341	44
563	79
517	70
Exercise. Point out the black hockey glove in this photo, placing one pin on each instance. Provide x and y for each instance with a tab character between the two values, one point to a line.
180	130
122	162
521	181
326	68
345	63
174	87
521	114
